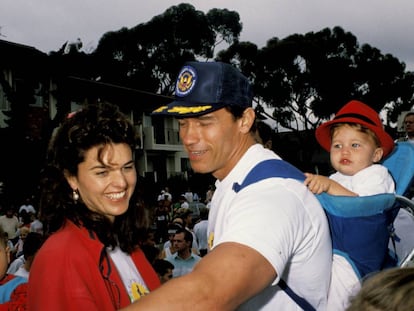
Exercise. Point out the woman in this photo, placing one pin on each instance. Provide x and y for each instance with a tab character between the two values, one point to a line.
91	260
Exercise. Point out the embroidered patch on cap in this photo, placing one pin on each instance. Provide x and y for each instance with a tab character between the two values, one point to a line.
186	81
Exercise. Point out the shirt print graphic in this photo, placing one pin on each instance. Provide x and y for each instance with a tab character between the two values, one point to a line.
210	241
137	290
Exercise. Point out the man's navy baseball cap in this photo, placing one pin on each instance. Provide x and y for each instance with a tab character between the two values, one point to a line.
203	87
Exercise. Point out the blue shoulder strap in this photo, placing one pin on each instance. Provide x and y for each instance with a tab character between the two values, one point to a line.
268	169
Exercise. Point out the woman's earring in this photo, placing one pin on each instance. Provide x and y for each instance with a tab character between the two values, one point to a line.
75	195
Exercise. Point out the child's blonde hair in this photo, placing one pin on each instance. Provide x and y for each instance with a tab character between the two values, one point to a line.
357	127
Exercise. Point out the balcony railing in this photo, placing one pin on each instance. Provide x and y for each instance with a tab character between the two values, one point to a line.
161	139
170	137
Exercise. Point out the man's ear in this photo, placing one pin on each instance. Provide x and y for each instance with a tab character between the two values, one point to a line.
247	120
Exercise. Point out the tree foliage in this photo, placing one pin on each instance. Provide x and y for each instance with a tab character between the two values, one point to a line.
303	78
306	78
149	55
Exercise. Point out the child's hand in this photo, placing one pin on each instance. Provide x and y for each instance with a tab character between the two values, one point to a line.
317	183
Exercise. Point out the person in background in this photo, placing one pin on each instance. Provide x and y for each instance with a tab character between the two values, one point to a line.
209	195
178	221
13	289
91	259
151	252
409	136
25	219
408	127
263	134
184	259
183	203
10	224
162	218
164	270
165	195
387	290
189	195
36	225
200	231
27	206
18	247
269	231
150	248
32	244
187	216
168	248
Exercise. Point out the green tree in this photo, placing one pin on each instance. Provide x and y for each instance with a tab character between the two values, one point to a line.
149	55
405	102
306	78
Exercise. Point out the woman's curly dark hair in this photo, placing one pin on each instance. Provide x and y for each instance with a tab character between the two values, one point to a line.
94	125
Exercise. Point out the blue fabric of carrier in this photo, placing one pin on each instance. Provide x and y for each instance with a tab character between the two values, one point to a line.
359	225
360	229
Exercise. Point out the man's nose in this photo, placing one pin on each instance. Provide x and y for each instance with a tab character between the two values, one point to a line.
189	134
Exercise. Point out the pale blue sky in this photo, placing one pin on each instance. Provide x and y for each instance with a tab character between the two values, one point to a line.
47	24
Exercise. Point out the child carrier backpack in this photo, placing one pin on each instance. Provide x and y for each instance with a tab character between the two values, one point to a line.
361	227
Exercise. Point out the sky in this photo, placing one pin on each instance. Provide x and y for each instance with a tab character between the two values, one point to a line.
48	24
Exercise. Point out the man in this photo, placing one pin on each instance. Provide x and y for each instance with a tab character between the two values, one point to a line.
263	134
187	216
13	289
271	230
27	206
184	259
165	195
32	244
408	127
200	231
164	270
10	223
183	202
189	195
409	136
162	217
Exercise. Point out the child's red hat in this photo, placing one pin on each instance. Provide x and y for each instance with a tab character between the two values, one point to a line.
359	113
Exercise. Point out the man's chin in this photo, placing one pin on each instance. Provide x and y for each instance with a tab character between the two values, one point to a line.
200	170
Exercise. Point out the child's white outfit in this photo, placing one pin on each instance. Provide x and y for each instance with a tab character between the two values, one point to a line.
372	180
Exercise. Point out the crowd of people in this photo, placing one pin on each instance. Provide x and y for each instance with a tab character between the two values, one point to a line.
179	231
21	236
266	246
